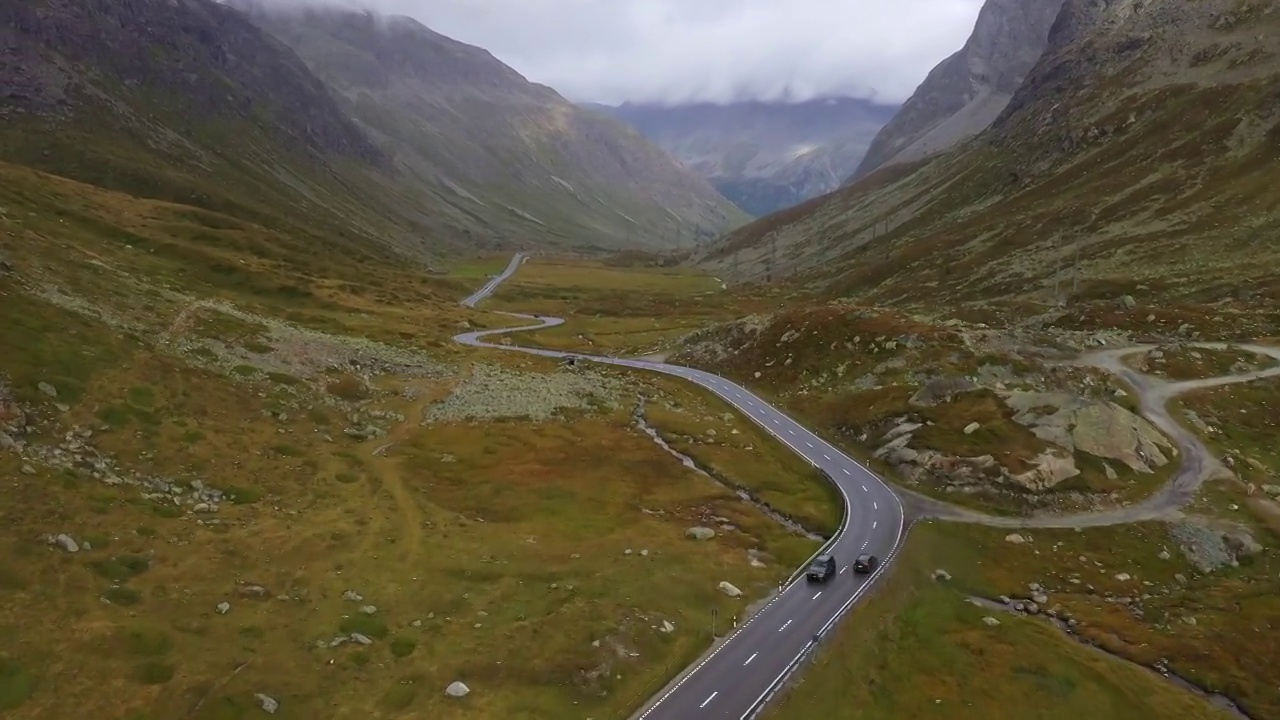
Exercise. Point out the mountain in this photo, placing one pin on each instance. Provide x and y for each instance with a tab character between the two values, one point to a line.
763	156
967	91
453	115
192	102
1138	158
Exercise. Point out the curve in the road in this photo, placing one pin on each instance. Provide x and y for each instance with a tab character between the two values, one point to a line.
739	676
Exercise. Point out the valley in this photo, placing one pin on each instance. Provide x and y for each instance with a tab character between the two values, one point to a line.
1017	337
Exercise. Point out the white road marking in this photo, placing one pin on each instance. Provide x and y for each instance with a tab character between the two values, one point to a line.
864	489
793	432
806	442
874	524
815	597
846	567
846	471
709	699
826	456
753	657
784	626
875	506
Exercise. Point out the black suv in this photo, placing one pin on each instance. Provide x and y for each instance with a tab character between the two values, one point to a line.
865	563
822	569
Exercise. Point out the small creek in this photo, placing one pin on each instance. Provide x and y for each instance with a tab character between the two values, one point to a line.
743	494
1221	701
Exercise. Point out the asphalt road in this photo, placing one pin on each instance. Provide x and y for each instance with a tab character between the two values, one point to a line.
737	678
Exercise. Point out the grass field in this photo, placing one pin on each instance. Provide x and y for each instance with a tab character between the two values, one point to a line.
918	649
612	309
219	421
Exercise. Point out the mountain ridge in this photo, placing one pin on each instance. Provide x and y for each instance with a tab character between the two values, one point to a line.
965	93
764	156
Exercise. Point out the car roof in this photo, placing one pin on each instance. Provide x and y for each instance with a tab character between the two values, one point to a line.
823	558
865	556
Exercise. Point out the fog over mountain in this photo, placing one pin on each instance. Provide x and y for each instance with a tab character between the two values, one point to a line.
680	52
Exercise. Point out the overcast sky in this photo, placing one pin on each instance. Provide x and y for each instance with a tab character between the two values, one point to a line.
714	50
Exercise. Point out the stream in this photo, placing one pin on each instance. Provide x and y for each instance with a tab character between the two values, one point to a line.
1220	701
742	494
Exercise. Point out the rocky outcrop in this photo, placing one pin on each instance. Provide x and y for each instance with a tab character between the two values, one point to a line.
1065	422
1100	428
966	92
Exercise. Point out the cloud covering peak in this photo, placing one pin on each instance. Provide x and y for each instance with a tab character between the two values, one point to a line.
677	51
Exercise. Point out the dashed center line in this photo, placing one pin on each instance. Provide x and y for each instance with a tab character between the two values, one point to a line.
709	699
874	524
864	489
828	457
806	442
784	626
875	506
815	597
846	471
753	657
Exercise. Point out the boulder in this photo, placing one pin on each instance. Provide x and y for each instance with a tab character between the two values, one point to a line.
941	390
728	589
700	533
457	689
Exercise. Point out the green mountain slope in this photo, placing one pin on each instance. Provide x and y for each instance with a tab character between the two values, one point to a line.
455	118
191	102
1138	157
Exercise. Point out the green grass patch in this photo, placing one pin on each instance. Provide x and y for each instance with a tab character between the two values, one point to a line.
398	698
17	684
121	595
153	672
368	625
402	646
120	567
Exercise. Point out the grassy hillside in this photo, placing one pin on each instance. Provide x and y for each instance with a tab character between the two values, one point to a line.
1136	159
190	102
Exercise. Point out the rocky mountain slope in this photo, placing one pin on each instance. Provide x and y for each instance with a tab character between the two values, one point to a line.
1131	170
965	92
191	102
763	156
456	118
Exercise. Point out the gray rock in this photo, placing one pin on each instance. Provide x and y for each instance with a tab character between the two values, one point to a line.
66	542
941	574
1014	538
48	389
728	589
972	428
1127	302
362	639
368	609
352	596
700	533
667	627
223	607
252	591
269	704
457	689
990	621
27	469
1040	599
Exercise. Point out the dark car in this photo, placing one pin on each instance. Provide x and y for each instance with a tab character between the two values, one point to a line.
822	569
865	563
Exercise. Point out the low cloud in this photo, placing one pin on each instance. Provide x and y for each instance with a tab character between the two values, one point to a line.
676	51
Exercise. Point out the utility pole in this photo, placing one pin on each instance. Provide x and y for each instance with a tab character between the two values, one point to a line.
713	623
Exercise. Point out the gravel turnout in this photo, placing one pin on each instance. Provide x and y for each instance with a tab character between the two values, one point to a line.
493	392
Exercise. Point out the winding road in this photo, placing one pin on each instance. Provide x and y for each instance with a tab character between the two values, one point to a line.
741	673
